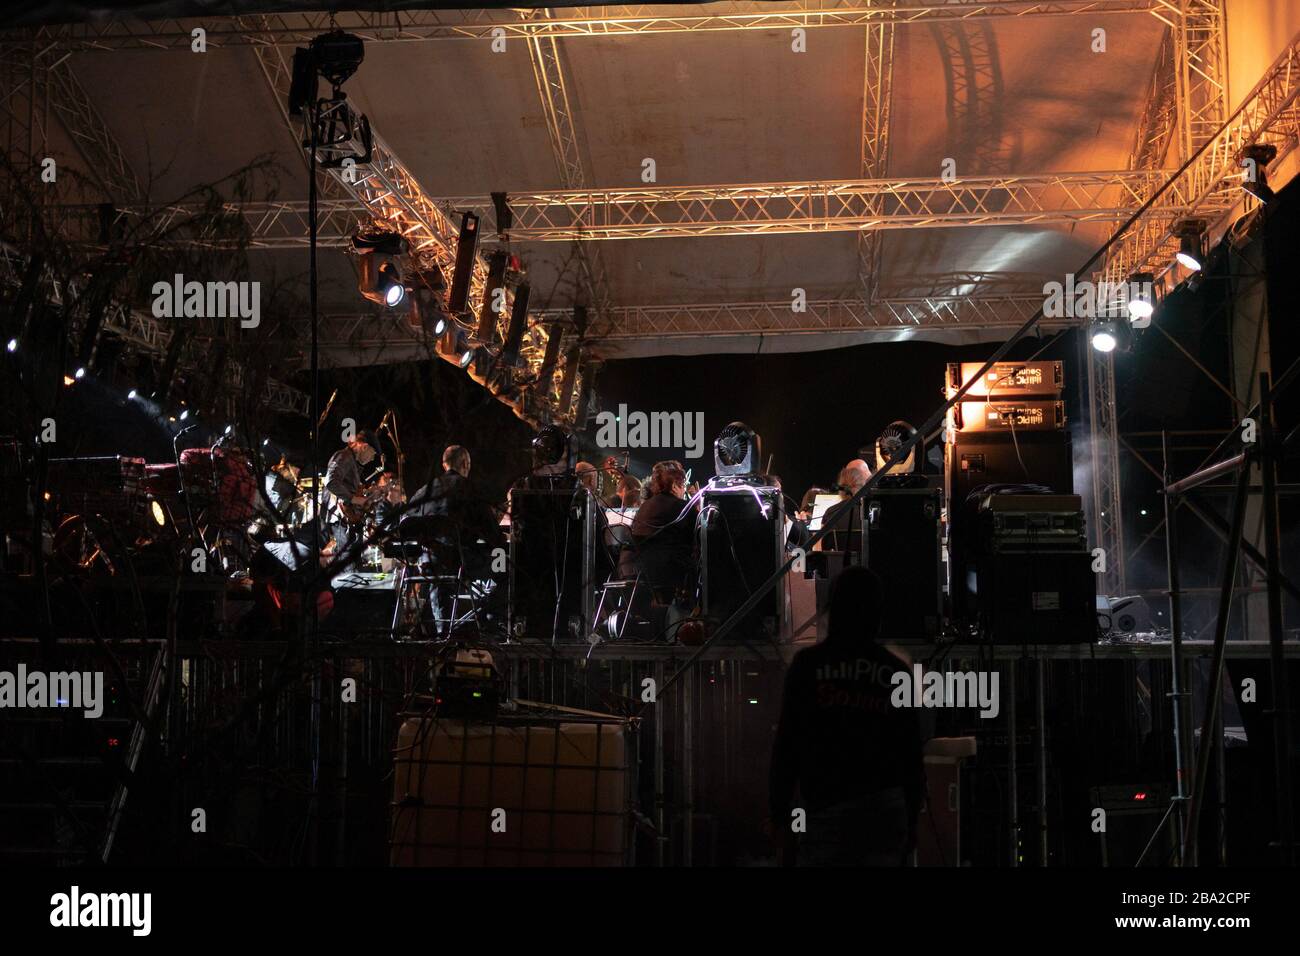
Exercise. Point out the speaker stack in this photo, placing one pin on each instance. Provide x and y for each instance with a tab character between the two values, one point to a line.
1008	434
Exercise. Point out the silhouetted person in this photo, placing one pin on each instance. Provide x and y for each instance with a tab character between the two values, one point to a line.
854	757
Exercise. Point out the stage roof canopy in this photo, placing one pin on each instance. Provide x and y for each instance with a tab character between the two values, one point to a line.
908	171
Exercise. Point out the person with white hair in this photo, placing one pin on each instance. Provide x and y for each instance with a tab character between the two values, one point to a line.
844	519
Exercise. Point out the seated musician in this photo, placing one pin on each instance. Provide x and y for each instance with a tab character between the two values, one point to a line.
844	519
664	537
796	527
346	502
619	515
453	494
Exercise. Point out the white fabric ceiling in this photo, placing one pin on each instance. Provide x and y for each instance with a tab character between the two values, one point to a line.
722	107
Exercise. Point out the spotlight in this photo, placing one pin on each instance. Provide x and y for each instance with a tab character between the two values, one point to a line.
395	292
1112	335
1191	254
336	56
737	451
229	429
185	414
1255	159
80	373
12	346
265	442
378	277
156	509
466	356
131	395
1103	338
428	314
1141	296
68	380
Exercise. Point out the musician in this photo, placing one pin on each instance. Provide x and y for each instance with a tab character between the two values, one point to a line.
586	475
844	519
664	537
453	495
796	526
344	485
629	493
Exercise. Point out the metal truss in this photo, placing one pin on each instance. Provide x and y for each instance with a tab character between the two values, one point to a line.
550	74
1211	186
877	94
1208	188
145	333
40	83
725	210
901	316
831	206
1105	517
141	331
384	187
289	29
1159	119
105	160
1202	73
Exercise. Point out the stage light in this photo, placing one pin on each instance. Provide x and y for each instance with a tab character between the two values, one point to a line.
1142	295
1255	179
379	278
1191	254
159	516
265	442
131	395
185	414
80	373
440	326
1104	338
12	346
394	292
229	429
466	356
737	451
68	380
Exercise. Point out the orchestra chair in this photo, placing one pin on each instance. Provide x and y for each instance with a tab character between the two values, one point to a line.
429	547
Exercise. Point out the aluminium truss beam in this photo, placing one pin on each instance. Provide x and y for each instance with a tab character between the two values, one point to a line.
551	76
877	94
293	29
143	333
830	206
684	211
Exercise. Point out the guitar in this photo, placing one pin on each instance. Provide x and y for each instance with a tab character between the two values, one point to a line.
363	502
